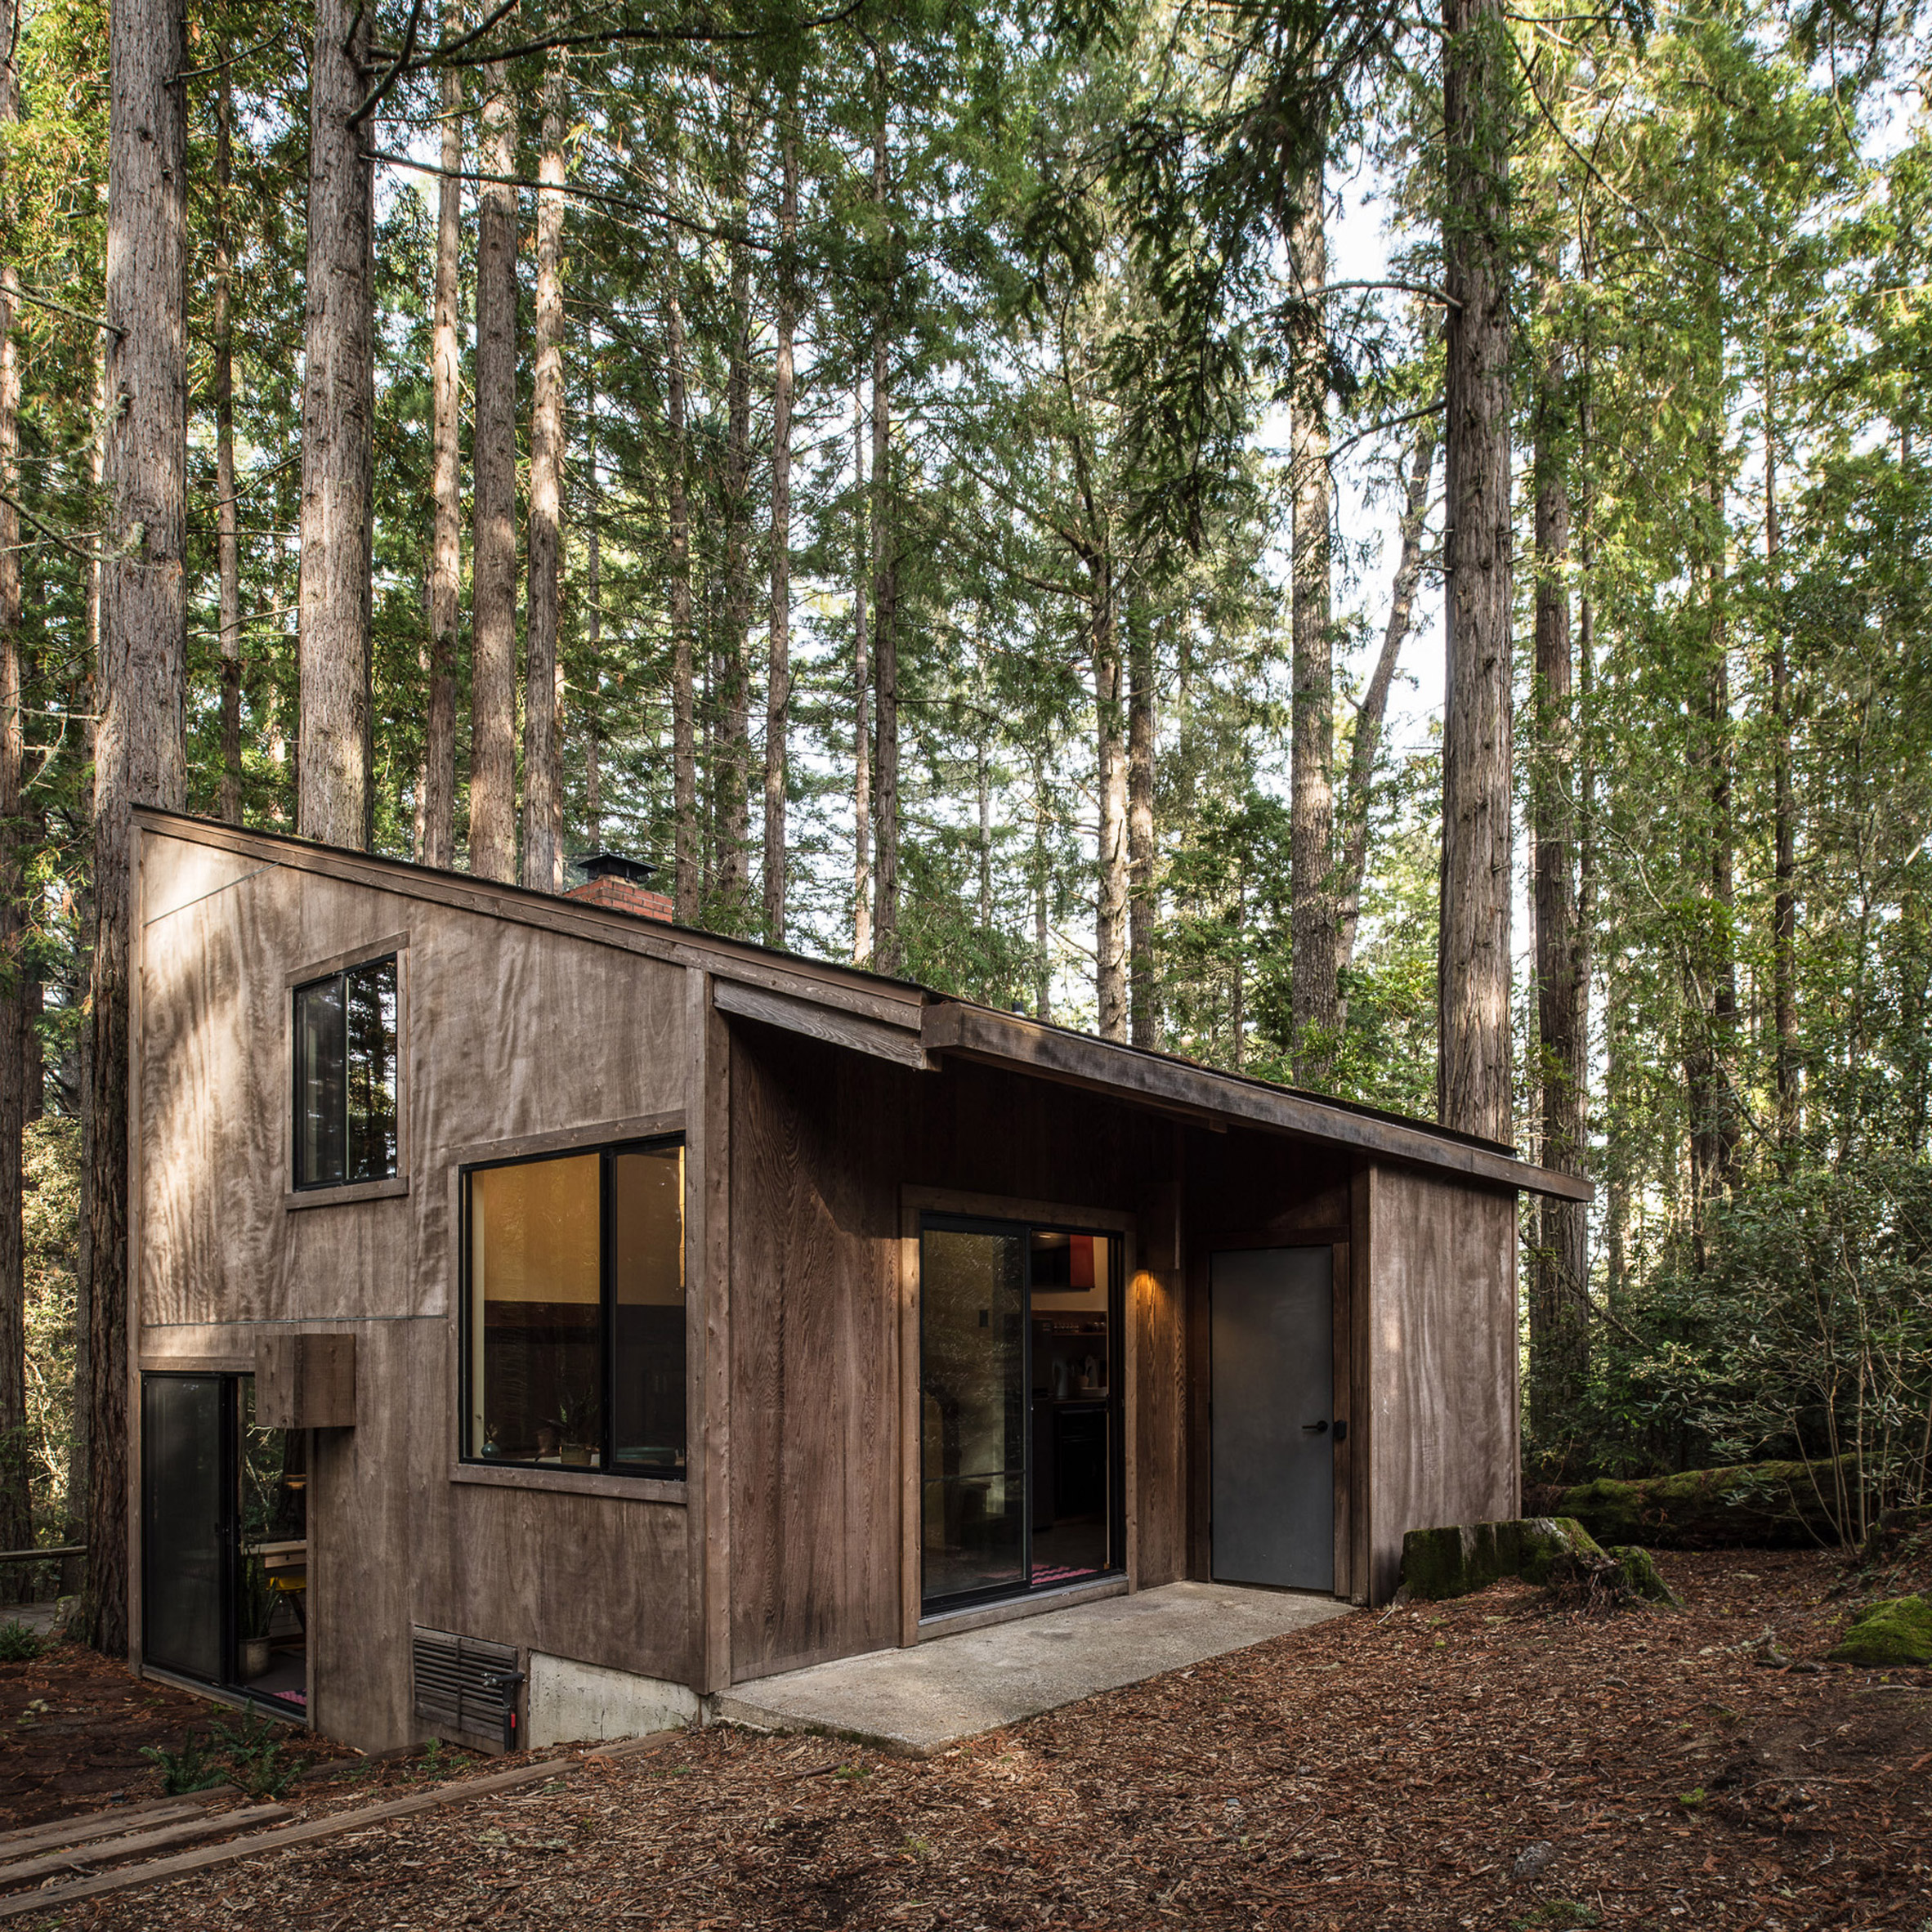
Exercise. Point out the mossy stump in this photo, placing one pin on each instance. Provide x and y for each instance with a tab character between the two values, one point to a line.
1896	1632
1458	1559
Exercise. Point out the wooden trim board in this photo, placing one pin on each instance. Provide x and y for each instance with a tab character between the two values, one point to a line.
896	1042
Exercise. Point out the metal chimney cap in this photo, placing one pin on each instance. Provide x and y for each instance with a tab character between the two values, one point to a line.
615	864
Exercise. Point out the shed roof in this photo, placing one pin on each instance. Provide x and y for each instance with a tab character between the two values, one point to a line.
901	1021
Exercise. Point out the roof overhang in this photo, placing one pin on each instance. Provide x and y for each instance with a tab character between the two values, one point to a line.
957	1028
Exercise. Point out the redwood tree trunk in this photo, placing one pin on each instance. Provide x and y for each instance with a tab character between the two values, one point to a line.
438	846
684	750
1311	965
1473	999
227	537
862	905
1110	910
1560	1304
333	797
1784	866
732	770
778	681
594	622
542	855
140	754
492	592
885	596
1143	991
1374	709
16	1516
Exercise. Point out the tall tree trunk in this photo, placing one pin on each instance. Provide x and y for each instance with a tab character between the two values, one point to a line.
1042	960
684	751
885	587
594	624
333	794
778	681
862	737
227	539
1110	910
1473	1026
139	753
492	585
543	787
732	784
1374	710
1712	1009
1559	1308
1784	867
1145	993
16	1514
438	845
1312	920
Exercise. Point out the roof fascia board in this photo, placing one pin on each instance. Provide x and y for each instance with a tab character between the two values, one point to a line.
975	1032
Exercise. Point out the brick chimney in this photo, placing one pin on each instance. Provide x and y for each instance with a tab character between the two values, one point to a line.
620	884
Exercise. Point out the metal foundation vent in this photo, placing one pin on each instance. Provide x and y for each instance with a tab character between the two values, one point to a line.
464	1683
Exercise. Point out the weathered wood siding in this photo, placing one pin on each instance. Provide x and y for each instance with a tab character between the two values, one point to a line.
1442	1434
508	1031
823	1142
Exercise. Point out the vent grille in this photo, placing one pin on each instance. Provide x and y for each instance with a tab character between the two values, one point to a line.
454	1686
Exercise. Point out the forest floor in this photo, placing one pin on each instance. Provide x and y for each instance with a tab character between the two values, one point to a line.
1496	1762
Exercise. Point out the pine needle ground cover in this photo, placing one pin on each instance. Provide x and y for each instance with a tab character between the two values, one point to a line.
1489	1763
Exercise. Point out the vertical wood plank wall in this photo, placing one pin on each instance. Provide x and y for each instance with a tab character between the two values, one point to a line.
509	1031
1443	1431
824	1142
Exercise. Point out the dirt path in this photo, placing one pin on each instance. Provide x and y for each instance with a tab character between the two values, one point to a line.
1380	1771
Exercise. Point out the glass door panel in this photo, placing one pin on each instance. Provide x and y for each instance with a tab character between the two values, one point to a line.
973	1410
188	1527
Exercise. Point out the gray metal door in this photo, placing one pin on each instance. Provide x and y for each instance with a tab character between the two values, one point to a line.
1272	1394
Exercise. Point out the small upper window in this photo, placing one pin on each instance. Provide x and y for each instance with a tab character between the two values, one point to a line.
344	1076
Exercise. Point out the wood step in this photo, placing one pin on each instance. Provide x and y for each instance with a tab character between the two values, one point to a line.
118	1817
81	1857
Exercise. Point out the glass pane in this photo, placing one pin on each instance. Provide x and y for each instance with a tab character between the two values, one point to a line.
184	1524
371	1072
319	1083
973	1404
271	1580
535	1313
647	1282
1073	1405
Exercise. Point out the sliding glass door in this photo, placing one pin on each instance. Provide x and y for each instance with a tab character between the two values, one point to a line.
1019	1387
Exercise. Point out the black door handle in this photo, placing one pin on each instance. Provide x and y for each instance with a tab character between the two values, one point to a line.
1314	1428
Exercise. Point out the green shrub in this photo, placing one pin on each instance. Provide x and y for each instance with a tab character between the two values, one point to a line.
18	1644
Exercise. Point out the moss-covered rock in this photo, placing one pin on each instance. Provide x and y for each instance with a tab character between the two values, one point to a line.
1897	1631
1773	1504
1456	1559
1641	1576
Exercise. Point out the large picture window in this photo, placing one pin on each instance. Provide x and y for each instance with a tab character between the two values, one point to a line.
573	1300
344	1076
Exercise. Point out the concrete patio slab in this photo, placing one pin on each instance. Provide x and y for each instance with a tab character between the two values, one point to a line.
917	1701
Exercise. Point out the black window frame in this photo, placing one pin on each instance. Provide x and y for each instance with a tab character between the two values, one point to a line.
945	1219
607	1153
300	1184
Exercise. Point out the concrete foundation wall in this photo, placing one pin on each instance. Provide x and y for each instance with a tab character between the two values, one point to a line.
570	1701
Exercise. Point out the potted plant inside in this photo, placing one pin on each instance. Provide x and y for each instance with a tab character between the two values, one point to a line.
579	1423
253	1614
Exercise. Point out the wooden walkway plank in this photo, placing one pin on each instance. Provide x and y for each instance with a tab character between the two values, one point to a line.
65	1858
101	1824
183	1862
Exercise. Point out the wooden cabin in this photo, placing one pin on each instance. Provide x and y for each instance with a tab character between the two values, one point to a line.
547	1317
